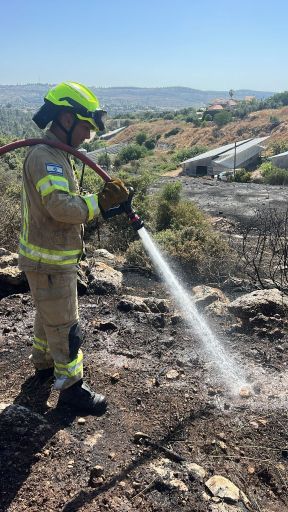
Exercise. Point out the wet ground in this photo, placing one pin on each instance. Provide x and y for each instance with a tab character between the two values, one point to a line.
48	455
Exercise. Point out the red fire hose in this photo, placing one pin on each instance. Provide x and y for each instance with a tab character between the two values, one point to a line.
126	207
59	145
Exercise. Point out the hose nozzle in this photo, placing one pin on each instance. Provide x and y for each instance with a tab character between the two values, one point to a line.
135	221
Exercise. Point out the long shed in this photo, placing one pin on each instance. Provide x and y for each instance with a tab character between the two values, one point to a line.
240	154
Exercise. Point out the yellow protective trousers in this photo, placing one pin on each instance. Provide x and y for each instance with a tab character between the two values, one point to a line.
57	335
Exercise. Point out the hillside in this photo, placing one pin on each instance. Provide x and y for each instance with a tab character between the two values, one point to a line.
256	124
124	99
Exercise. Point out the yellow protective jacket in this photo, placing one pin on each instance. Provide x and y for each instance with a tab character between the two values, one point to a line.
53	212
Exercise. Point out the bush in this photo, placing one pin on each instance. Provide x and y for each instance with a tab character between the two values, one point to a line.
276	176
242	176
150	144
140	138
172	191
130	152
174	131
222	118
184	154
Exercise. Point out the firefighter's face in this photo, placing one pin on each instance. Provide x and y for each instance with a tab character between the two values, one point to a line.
80	133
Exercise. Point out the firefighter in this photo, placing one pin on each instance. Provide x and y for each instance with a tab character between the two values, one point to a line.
51	241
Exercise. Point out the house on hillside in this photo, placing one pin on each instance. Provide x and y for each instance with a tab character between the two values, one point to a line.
280	160
244	153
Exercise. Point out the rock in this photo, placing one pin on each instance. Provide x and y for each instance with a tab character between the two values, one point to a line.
217	308
96	471
115	378
245	392
82	281
265	302
195	471
223	488
205	295
106	326
10	259
176	483
140	436
104	280
81	421
142	304
12	280
103	255
132	303
172	375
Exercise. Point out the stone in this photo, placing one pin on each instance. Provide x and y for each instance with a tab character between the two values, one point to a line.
172	375
96	471
223	488
245	392
81	421
265	302
204	295
104	255
195	471
12	280
176	483
104	280
10	259
142	304
132	303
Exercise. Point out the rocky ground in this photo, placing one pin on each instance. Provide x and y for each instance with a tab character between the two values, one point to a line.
177	434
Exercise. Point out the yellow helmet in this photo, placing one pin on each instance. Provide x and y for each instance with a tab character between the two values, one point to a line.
75	97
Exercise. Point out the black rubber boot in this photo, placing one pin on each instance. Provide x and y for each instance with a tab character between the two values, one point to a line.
81	397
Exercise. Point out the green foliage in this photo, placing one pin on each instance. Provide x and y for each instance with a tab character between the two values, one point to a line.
222	118
276	176
242	176
104	160
279	146
171	192
150	144
185	153
131	152
275	121
174	131
140	138
184	233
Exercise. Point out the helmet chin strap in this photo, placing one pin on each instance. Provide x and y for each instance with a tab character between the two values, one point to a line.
69	132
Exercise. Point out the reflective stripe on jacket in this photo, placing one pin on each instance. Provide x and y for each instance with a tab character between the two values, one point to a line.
53	211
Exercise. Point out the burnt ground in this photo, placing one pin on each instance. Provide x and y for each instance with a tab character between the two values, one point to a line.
237	202
48	454
46	460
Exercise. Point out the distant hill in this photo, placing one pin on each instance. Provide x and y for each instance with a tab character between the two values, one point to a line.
122	99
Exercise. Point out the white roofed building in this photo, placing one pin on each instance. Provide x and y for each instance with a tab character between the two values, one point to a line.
231	156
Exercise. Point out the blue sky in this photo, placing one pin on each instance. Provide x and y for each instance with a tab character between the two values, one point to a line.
201	44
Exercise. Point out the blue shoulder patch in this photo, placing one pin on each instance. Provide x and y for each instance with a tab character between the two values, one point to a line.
54	169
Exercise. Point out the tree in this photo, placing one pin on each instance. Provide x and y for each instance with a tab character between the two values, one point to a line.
231	93
140	138
104	160
222	118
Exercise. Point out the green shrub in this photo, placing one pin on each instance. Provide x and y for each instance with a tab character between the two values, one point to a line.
242	176
276	176
184	154
130	152
222	118
150	144
174	131
172	191
140	138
